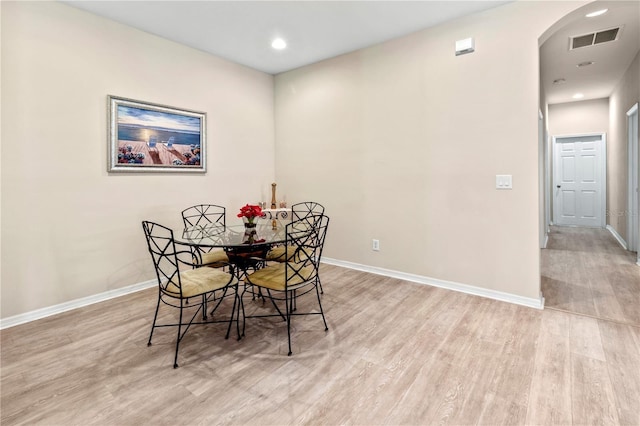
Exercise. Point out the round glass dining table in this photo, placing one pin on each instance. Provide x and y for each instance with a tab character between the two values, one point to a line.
244	246
232	236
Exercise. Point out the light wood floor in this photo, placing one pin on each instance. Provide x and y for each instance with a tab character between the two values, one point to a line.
396	353
586	271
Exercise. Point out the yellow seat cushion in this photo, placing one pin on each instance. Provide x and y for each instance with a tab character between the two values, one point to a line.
199	281
273	277
278	253
214	257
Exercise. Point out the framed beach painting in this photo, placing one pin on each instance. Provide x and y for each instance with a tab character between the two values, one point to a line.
146	137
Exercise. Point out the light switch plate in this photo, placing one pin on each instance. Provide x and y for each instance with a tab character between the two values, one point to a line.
504	182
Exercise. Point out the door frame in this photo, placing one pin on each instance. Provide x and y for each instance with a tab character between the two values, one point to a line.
603	170
543	193
633	228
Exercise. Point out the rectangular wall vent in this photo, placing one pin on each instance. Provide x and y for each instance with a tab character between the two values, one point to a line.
582	41
592	39
608	35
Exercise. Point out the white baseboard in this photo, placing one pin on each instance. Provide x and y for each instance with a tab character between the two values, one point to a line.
546	240
449	285
617	236
73	304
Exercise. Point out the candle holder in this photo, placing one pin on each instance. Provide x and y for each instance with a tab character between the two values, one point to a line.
273	196
274	222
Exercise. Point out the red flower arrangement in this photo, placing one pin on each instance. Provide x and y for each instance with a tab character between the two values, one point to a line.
250	212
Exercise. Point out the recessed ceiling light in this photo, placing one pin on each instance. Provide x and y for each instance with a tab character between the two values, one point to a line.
578	96
559	81
585	64
596	13
278	44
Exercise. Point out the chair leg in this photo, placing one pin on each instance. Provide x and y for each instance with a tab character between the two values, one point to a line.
240	308
175	360
204	307
321	310
286	304
220	299
253	292
274	304
294	302
233	312
155	317
241	301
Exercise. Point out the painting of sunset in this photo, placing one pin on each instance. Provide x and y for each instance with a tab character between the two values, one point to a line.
155	137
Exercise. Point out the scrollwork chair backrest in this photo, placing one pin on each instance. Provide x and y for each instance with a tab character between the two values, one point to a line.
204	214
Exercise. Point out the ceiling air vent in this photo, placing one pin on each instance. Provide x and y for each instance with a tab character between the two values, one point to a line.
592	39
605	36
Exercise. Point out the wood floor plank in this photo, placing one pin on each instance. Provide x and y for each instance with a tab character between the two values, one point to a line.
622	350
592	396
474	378
434	384
514	368
568	296
602	281
343	405
585	337
431	332
550	400
626	281
556	322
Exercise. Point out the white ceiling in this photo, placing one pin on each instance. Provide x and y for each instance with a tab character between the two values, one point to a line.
611	59
242	31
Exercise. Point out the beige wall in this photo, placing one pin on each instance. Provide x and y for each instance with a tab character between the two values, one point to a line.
625	95
69	229
402	142
575	118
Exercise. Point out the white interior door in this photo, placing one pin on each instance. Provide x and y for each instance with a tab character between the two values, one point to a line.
579	181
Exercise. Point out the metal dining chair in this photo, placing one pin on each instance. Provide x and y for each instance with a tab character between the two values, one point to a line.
299	211
198	285
206	215
288	281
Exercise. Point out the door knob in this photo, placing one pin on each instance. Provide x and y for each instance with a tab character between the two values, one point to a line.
558	186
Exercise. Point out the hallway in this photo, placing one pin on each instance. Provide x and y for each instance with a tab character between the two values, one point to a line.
586	271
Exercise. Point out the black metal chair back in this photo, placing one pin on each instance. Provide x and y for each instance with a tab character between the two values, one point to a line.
305	209
163	252
204	214
305	240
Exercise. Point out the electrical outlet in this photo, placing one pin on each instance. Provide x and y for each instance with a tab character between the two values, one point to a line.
375	245
504	182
